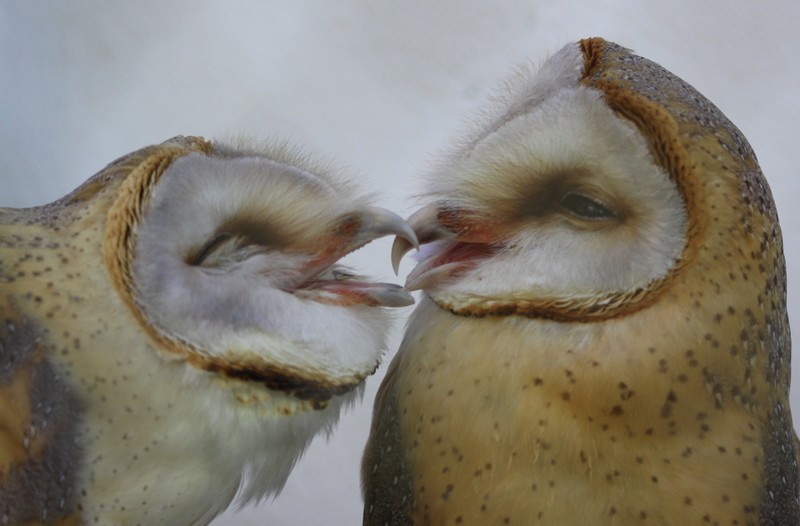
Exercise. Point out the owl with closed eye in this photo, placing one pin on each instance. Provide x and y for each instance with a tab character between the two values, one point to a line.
177	329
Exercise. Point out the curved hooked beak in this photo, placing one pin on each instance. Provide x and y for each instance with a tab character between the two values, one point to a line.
353	231
426	226
456	240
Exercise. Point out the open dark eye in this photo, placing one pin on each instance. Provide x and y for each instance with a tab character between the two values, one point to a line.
585	207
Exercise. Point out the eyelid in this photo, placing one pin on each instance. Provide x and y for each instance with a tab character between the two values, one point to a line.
607	211
213	244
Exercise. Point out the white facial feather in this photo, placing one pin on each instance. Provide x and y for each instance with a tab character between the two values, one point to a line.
243	309
559	134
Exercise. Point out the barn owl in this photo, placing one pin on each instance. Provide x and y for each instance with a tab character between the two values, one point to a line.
177	329
603	336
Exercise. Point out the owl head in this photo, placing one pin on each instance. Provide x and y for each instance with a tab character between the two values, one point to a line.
598	181
228	258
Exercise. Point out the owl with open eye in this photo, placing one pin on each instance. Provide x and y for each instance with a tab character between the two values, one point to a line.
177	329
603	336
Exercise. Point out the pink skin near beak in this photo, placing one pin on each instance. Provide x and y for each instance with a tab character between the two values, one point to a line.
455	243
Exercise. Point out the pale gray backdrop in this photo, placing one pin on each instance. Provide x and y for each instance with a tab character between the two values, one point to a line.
378	85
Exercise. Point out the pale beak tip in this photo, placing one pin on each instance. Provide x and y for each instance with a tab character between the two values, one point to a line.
405	300
400	248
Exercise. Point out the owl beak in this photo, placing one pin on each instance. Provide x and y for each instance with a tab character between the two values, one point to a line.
456	240
374	223
353	231
426	226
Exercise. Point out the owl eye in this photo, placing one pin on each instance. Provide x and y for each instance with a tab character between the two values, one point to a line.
585	207
215	245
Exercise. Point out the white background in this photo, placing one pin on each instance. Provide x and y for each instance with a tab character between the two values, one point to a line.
380	86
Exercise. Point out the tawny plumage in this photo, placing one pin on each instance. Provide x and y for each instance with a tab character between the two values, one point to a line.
177	329
603	337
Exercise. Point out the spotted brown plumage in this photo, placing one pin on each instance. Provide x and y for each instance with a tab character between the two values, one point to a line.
603	336
177	329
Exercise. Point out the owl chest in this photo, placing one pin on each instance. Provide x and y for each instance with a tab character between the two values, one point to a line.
150	452
144	440
498	430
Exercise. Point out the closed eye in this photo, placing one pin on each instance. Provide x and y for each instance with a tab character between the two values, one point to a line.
585	207
216	244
